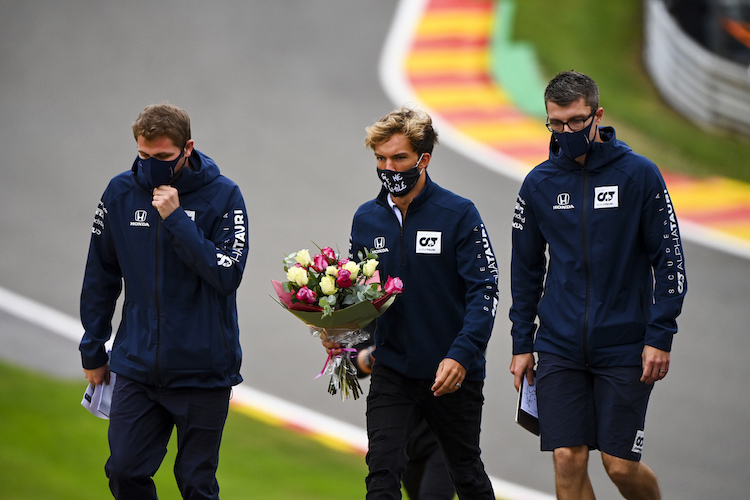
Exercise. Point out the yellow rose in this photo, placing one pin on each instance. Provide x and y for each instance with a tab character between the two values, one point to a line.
328	285
369	267
303	257
353	268
297	275
332	271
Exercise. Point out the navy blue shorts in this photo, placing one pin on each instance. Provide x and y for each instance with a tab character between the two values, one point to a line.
602	408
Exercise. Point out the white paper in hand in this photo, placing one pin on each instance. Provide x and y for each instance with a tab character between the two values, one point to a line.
528	399
527	415
97	399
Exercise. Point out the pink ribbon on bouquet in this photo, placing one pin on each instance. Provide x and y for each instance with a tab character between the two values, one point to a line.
331	355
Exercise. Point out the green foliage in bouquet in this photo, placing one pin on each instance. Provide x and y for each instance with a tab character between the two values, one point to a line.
332	283
336	298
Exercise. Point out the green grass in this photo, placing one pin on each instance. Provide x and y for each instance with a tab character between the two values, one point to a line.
605	41
51	448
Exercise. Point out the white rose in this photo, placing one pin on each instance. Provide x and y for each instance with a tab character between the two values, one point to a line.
353	268
328	285
369	267
297	275
303	257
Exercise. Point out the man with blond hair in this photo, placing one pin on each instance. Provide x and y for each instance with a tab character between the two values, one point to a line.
430	344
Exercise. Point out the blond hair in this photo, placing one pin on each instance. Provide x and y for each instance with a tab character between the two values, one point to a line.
415	125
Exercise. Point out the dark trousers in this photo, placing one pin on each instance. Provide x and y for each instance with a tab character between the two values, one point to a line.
426	477
396	405
141	421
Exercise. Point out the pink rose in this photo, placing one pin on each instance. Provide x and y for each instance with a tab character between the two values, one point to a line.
320	263
344	279
306	295
329	254
394	285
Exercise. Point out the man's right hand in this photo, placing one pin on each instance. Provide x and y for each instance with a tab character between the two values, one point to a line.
332	348
97	376
520	365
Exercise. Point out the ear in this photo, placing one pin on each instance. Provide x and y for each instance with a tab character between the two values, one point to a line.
599	114
189	147
597	121
425	162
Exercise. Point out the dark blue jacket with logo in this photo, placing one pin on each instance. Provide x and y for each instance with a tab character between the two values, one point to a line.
444	257
179	319
616	274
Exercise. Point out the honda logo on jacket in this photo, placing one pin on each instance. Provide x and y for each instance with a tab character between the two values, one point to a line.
563	202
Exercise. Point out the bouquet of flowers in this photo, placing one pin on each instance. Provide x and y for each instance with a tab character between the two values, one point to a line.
336	298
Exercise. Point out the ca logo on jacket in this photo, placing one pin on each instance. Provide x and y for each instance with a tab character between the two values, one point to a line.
429	242
606	197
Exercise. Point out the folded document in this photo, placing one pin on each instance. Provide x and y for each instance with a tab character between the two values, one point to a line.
98	398
527	415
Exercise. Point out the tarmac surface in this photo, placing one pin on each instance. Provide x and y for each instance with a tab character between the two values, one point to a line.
279	94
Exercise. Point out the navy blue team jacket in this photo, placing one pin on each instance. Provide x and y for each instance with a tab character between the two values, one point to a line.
616	273
179	321
444	257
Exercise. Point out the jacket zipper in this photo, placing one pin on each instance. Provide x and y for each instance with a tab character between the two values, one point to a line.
586	267
158	302
401	231
403	252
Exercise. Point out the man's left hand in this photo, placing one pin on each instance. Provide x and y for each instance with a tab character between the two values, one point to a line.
655	364
449	377
166	200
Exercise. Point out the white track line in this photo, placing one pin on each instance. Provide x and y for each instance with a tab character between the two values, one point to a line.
289	413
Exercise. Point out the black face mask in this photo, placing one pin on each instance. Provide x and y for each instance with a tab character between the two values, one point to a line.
574	144
400	183
159	172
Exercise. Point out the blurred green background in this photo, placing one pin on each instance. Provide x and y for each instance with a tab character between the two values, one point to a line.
605	41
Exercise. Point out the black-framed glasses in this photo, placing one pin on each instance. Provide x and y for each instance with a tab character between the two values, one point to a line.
574	125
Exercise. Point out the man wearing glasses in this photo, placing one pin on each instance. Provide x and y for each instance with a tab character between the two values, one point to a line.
597	259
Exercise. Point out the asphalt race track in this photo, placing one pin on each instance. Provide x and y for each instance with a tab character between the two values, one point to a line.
279	94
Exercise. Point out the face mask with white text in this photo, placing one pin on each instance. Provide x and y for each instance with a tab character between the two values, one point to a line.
400	183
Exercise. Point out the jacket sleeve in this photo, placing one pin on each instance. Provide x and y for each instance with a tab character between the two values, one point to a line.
661	234
102	284
220	258
527	270
477	266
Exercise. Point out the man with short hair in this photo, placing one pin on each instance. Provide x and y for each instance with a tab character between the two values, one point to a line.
174	231
430	344
607	300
